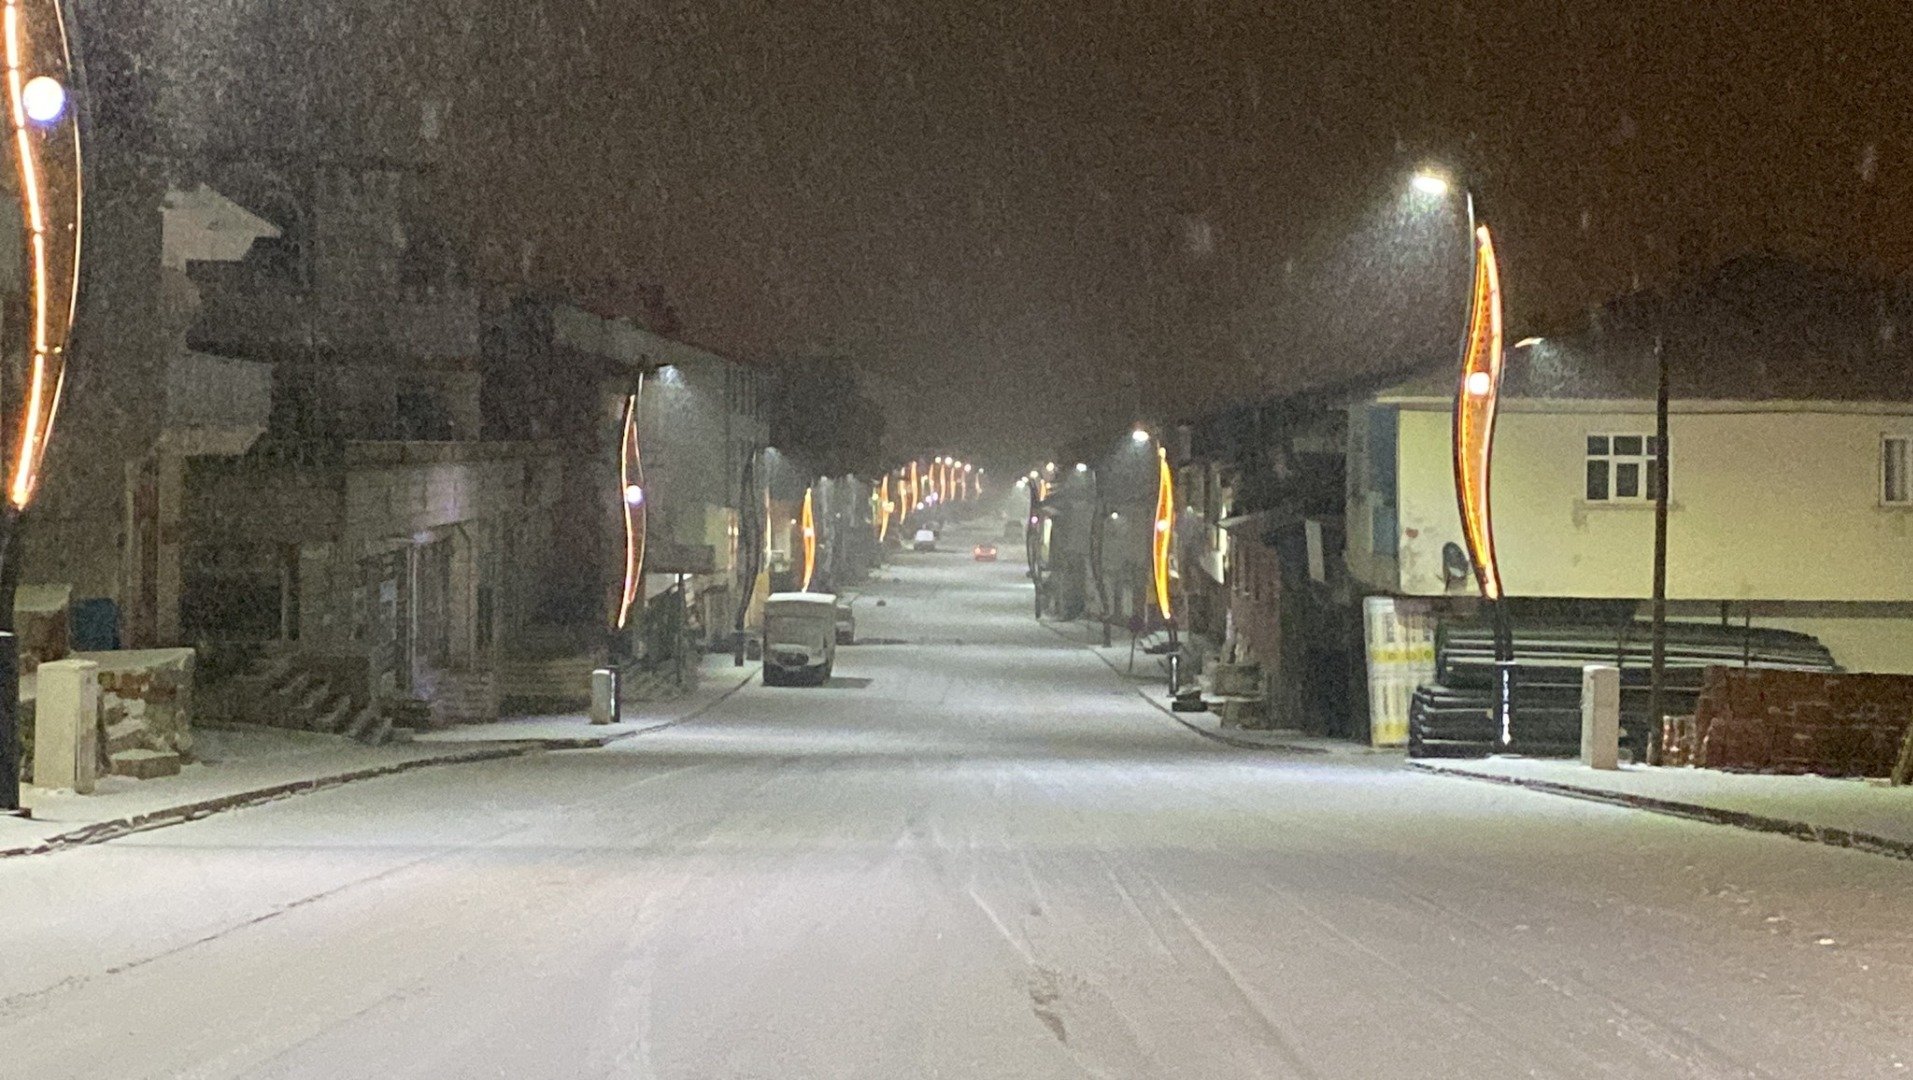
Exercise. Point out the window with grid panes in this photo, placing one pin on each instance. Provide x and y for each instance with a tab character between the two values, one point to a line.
1620	468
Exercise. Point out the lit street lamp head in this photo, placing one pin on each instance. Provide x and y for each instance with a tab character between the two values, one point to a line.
43	99
1431	183
1139	436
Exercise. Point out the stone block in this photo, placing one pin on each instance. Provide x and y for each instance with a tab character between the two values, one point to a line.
1242	712
145	764
1600	716
125	735
1236	680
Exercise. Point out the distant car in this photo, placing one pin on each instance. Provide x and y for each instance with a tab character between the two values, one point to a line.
846	624
926	540
984	553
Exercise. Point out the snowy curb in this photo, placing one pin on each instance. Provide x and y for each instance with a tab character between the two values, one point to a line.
1216	736
102	831
693	714
1229	740
599	742
1831	836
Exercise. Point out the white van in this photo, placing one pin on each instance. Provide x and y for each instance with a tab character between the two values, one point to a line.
800	638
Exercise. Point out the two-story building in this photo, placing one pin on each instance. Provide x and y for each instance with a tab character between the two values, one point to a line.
1790	423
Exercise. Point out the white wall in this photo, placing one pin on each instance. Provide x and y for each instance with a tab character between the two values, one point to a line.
1767	505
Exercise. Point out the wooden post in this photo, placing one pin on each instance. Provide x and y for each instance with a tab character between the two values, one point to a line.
1903	769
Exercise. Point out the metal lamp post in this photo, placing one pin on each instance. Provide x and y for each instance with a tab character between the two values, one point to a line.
1033	540
751	523
46	99
1477	399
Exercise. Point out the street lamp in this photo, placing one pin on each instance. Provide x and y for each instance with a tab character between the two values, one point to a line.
1140	436
1477	399
631	502
46	143
884	508
810	539
1162	547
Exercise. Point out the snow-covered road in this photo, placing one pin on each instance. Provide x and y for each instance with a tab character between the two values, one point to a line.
978	854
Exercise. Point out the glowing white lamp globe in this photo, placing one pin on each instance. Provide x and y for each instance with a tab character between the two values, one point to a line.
44	99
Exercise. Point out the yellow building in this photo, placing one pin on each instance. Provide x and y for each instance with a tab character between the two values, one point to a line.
1790	427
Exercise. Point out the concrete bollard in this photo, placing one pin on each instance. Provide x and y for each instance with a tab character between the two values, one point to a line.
66	725
604	696
1601	716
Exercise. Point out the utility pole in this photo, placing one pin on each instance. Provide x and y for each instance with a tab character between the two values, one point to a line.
1098	525
1657	687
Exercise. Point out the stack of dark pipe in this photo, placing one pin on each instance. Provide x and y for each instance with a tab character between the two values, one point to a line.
1452	716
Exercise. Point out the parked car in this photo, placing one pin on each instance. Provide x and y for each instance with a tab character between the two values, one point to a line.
800	638
846	624
926	540
984	553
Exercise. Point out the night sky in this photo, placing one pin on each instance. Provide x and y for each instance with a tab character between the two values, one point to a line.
1005	209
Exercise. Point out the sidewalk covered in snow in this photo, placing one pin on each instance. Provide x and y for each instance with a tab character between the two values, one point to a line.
1847	813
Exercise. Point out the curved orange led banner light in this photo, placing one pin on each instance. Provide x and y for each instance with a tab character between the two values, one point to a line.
810	541
884	507
916	485
1160	545
47	163
1475	406
631	496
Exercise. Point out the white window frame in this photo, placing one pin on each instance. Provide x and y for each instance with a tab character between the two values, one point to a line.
1896	456
1644	487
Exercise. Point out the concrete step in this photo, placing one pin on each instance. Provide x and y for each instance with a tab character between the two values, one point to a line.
380	732
125	735
337	714
145	764
312	705
363	722
294	686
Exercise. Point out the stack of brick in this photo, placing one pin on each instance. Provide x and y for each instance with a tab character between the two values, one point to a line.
146	710
1760	720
